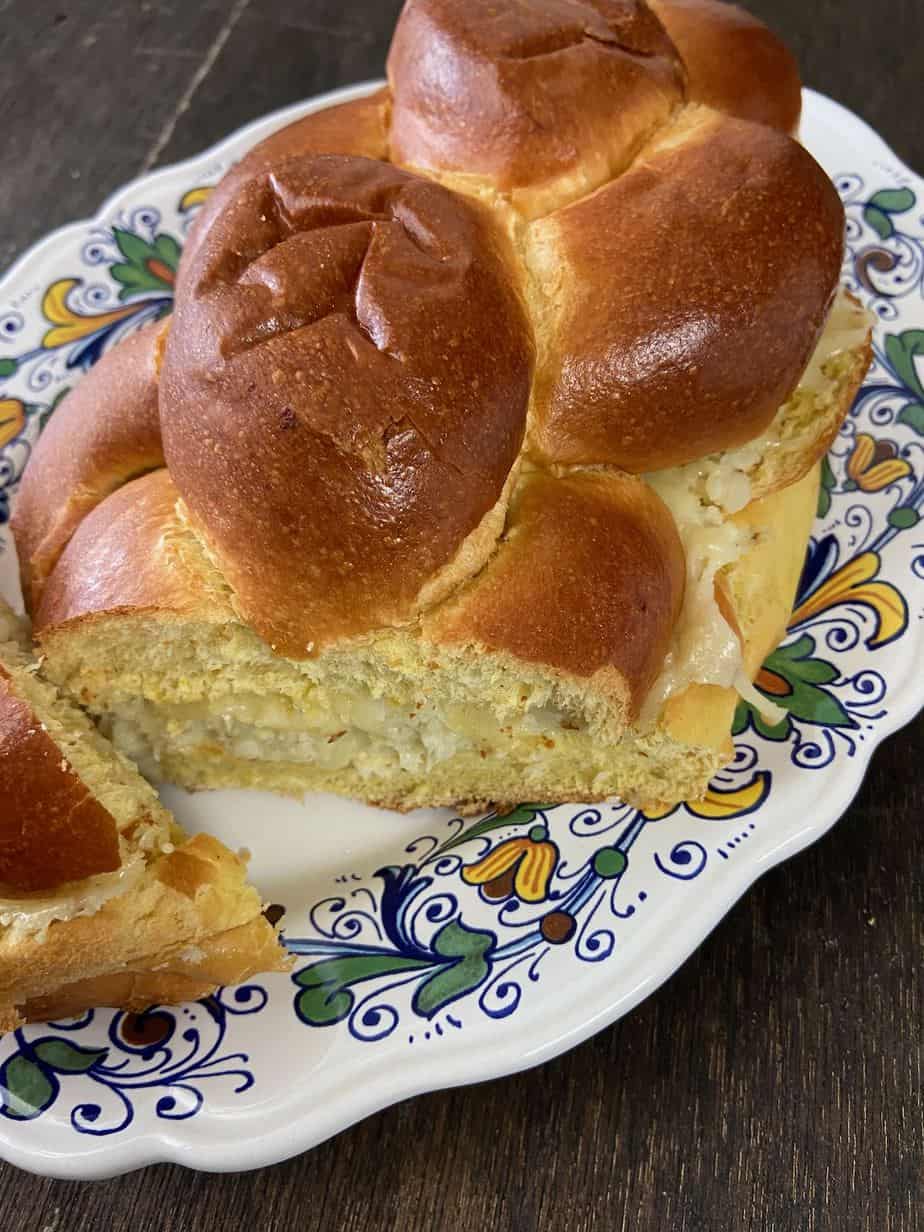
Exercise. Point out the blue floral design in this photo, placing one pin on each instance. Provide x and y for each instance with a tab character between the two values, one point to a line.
168	1052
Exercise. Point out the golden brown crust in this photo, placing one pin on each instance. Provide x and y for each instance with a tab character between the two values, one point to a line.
368	322
229	958
52	829
684	302
357	127
734	62
193	917
588	581
537	99
120	558
104	432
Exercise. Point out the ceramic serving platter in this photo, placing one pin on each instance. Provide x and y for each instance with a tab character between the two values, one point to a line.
425	957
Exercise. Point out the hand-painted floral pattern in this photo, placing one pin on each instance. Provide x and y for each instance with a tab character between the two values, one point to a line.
423	939
166	1053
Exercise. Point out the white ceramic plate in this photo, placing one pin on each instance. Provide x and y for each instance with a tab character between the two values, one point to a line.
414	973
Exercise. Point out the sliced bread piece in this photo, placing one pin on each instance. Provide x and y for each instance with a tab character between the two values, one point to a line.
103	899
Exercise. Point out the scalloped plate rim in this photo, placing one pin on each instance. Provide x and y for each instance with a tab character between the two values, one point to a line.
270	1145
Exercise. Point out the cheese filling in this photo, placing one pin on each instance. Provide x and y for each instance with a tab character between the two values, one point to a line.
702	496
33	913
704	648
368	734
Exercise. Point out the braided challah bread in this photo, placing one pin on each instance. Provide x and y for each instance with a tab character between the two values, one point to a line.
487	422
103	899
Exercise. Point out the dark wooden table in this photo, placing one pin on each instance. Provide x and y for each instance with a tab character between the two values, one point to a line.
776	1082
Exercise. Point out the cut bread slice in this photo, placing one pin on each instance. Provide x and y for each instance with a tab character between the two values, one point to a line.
509	690
103	899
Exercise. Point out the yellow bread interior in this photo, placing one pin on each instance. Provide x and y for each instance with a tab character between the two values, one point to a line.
189	923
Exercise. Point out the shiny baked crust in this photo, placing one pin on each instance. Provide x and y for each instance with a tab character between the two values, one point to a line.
733	62
108	432
51	827
369	322
357	127
540	101
716	300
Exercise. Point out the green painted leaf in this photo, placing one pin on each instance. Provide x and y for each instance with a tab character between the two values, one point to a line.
879	221
913	416
904	517
166	247
26	1089
522	815
135	279
801	648
893	200
901	351
7	367
805	675
132	247
327	995
466	947
65	1057
795	663
816	705
828	484
134	273
808	700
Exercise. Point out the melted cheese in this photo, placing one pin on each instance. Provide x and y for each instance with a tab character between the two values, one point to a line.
33	913
702	496
704	649
769	711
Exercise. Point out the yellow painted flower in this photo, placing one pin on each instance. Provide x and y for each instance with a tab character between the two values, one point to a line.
70	326
521	866
719	803
853	583
655	813
12	419
874	464
194	197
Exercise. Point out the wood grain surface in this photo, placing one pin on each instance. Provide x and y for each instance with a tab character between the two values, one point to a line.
776	1081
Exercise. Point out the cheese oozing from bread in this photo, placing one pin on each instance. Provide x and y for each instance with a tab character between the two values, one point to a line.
704	495
398	718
